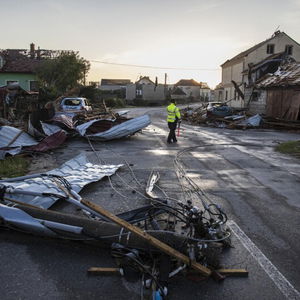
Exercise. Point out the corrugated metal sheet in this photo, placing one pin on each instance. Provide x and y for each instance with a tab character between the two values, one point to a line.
78	172
22	220
50	142
287	75
7	133
122	130
50	129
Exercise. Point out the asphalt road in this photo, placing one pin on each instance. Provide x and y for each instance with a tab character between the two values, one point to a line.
257	187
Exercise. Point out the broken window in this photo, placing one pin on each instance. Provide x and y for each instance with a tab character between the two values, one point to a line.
289	49
255	96
270	48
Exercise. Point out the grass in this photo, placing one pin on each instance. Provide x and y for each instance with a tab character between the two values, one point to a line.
292	147
13	167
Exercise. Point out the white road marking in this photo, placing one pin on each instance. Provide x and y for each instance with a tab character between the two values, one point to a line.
279	280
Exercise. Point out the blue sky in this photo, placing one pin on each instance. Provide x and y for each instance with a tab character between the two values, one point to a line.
182	34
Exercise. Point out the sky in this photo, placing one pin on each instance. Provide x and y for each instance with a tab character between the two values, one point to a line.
187	39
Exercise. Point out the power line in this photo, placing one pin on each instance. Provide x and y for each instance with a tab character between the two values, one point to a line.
152	67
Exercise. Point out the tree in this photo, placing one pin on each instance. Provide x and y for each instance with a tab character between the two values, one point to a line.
62	73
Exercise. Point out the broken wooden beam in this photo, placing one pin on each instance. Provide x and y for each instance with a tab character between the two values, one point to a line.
150	239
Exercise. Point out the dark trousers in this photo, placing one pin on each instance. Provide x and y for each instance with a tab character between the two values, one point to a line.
172	135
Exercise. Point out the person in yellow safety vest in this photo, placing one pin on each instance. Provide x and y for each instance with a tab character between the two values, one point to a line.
173	118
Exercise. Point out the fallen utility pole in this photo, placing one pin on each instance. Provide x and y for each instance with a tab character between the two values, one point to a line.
151	240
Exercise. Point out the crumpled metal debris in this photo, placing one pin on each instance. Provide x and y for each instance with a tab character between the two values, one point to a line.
118	131
78	172
253	121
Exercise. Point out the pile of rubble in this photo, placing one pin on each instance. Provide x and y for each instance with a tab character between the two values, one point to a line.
157	241
47	129
222	116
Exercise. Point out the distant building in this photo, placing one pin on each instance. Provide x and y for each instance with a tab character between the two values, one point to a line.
145	90
114	84
217	93
204	92
250	65
178	93
190	87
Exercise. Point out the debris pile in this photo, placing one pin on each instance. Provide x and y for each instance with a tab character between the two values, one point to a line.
222	116
157	241
48	129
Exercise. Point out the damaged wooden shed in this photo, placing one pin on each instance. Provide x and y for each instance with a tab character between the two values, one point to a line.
279	93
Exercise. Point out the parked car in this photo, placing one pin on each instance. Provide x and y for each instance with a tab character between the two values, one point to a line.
218	109
75	104
211	105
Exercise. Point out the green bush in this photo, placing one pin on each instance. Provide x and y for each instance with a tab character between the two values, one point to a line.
115	102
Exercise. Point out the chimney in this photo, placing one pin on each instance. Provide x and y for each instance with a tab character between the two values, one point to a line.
32	51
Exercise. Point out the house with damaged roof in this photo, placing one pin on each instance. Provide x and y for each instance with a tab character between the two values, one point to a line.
241	72
17	66
277	94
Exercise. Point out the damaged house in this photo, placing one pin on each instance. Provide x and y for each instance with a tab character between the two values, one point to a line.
18	66
240	72
278	94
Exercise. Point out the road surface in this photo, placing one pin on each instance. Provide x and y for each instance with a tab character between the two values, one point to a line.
257	187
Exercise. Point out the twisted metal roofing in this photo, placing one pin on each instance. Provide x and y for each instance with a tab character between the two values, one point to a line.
287	75
78	172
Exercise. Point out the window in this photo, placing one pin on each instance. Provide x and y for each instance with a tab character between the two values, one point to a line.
270	48
12	82
33	86
289	49
220	95
255	96
139	92
226	95
1	62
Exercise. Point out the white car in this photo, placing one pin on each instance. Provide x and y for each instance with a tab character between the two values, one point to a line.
75	104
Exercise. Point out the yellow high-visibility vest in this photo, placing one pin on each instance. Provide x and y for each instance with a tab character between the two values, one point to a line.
173	112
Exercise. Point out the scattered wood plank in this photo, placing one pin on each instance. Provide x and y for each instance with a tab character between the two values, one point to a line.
233	272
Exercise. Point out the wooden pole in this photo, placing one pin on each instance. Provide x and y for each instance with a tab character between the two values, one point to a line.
150	239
